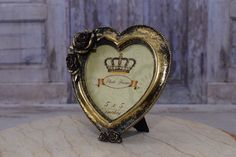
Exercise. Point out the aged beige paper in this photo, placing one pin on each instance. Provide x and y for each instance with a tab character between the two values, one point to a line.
117	80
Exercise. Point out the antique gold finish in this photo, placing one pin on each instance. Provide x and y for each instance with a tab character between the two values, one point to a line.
76	62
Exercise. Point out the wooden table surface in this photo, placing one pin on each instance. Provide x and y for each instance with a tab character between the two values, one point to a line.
75	136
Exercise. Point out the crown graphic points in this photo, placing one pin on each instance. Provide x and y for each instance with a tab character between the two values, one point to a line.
119	64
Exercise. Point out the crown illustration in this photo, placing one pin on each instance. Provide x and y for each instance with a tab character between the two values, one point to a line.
119	64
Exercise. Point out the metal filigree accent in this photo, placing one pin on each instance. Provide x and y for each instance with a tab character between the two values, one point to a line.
110	136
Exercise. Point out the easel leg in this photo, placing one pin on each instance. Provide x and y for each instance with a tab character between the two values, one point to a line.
141	126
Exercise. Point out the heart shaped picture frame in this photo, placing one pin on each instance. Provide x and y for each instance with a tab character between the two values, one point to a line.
118	77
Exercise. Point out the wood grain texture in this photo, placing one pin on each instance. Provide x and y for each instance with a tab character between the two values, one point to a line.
70	135
221	65
18	11
218	41
232	9
221	92
22	35
232	135
232	67
33	40
31	93
197	34
22	56
136	12
57	34
170	18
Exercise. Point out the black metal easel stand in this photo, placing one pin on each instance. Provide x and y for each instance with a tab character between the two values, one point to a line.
141	126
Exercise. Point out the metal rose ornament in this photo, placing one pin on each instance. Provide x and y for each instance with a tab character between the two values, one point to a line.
72	62
118	77
84	42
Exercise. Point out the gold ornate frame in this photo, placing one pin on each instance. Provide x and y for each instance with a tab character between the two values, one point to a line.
86	42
